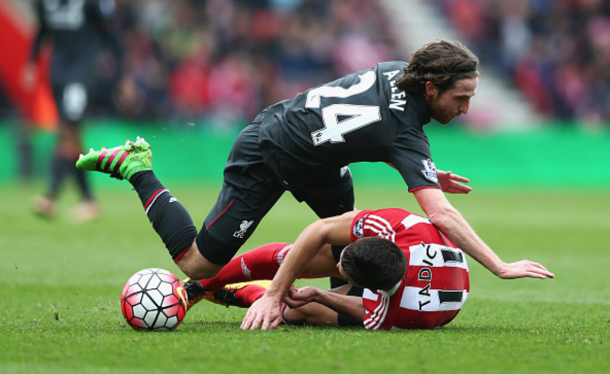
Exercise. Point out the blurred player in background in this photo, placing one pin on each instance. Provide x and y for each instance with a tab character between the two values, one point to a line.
75	28
304	145
414	276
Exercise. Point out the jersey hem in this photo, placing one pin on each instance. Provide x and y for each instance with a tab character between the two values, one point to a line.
424	187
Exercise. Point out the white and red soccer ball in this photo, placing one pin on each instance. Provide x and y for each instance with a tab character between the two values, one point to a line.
154	300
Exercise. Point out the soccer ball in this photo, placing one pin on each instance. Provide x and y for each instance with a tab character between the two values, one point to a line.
154	300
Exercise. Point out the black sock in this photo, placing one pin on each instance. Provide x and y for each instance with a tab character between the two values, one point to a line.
83	184
25	157
336	282
60	168
167	215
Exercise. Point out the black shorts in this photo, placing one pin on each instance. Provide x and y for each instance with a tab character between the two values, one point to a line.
71	100
342	321
249	191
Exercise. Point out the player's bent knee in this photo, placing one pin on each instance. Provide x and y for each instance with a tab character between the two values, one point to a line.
195	266
199	273
294	316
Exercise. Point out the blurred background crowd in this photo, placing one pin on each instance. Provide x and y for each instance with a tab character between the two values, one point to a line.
556	52
222	61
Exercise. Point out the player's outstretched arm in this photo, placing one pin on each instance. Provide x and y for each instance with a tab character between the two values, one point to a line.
451	223
265	312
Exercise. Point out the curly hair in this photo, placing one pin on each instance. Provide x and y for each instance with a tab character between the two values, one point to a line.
441	62
374	263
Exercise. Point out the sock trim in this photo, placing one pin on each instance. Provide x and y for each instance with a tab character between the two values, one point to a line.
153	198
282	254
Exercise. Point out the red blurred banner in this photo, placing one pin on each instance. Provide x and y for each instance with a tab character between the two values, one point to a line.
16	37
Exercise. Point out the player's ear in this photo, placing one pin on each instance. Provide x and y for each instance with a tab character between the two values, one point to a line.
431	89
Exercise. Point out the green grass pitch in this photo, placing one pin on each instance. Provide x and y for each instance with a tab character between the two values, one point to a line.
60	285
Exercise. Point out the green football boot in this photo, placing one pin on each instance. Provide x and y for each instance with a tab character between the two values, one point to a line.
120	162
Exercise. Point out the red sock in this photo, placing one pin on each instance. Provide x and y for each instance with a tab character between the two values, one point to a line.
249	294
258	264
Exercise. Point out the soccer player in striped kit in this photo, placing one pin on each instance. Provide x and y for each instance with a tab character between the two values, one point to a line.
413	276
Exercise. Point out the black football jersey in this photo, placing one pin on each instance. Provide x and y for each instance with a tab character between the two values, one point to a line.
74	27
360	117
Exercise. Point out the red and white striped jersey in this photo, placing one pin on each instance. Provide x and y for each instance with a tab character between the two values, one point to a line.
436	284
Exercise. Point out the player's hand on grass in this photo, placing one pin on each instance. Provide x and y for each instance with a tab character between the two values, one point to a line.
524	269
299	297
452	183
265	312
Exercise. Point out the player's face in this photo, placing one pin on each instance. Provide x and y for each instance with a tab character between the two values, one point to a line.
455	101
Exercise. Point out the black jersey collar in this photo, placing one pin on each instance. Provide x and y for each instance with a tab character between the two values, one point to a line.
421	107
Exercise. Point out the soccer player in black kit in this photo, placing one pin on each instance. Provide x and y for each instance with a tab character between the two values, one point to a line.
75	27
304	145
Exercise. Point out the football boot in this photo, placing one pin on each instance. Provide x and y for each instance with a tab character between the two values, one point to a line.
226	296
195	293
120	162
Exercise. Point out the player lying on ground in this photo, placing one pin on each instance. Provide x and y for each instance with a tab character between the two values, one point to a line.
413	276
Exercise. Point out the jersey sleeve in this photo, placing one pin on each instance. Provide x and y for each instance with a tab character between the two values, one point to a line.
381	223
376	306
380	309
357	229
411	157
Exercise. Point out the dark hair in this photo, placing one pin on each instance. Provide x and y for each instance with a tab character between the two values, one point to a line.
374	263
441	62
